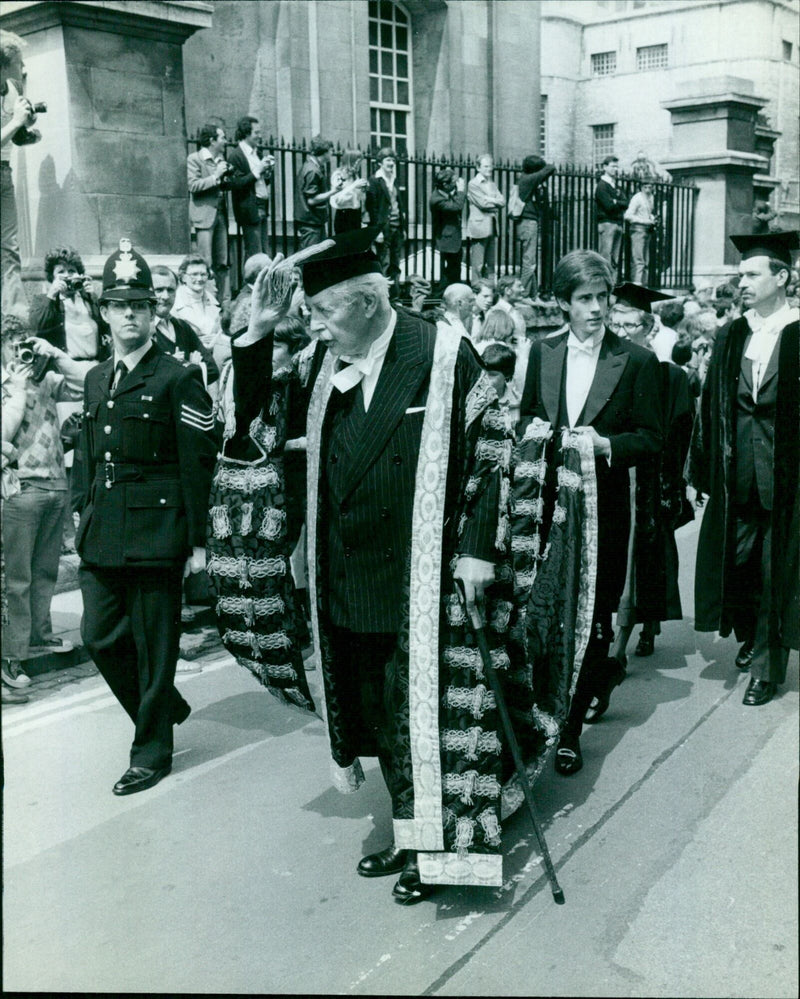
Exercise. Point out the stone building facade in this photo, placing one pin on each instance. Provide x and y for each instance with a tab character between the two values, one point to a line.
458	76
610	67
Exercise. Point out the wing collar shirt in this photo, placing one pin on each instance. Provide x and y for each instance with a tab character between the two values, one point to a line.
581	365
766	332
366	369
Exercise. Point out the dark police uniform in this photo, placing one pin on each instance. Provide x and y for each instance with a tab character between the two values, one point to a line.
148	458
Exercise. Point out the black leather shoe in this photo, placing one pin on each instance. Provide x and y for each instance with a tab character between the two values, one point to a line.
759	692
379	865
409	889
601	700
744	660
139	779
646	646
568	756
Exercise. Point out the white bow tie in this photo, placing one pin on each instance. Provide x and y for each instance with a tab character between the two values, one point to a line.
354	372
576	347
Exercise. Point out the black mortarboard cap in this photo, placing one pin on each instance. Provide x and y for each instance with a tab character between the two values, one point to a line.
778	245
637	296
126	276
351	255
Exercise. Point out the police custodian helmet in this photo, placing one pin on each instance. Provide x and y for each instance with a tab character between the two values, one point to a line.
126	276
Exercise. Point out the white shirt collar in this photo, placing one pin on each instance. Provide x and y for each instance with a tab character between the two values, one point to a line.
609	179
366	369
131	360
588	346
774	323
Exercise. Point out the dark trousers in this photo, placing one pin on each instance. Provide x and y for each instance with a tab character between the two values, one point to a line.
359	662
131	628
451	268
308	234
255	234
598	671
754	582
389	253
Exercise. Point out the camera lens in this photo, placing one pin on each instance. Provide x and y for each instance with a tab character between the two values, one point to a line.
40	107
25	354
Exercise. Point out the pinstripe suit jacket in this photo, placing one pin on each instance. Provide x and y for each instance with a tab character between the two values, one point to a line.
367	485
366	492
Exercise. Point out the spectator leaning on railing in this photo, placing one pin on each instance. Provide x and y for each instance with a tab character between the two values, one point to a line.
251	173
206	172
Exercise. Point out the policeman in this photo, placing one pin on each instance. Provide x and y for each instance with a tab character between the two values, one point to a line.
148	457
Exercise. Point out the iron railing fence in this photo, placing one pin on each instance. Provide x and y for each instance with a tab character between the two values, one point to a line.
570	223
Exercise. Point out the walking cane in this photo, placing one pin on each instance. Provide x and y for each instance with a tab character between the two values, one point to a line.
494	682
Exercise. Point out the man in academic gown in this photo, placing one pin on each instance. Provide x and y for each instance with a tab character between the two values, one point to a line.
745	456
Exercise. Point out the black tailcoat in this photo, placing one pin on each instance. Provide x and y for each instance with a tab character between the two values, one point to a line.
624	405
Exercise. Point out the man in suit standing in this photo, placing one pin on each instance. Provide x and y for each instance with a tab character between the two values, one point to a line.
447	207
206	171
148	457
312	192
485	202
386	209
610	205
248	181
398	417
745	456
589	378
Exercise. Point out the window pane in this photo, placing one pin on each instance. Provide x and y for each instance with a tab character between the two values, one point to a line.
373	33
402	38
373	8
386	121
373	120
402	92
387	91
386	36
400	118
373	61
387	10
604	63
373	88
402	66
386	64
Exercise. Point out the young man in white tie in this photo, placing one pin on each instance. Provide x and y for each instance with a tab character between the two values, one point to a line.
589	378
745	456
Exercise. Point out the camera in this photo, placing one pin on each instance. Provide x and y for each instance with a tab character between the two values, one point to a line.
27	354
74	283
27	136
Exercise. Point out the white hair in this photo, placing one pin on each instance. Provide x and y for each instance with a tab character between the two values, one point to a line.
351	289
455	293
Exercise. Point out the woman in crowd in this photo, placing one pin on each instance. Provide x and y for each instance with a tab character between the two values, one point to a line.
67	314
195	301
497	327
350	188
255	518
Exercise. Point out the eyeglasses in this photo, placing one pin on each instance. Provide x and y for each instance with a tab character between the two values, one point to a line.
628	327
138	307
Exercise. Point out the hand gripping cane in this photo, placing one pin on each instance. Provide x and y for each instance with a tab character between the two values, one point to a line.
494	682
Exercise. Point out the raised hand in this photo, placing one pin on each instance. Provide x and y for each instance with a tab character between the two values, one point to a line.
272	292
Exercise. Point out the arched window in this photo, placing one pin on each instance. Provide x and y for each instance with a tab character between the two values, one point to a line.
389	75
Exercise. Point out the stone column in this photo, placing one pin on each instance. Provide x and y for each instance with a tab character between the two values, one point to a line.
112	160
714	146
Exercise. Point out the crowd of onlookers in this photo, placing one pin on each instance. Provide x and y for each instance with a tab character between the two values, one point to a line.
196	317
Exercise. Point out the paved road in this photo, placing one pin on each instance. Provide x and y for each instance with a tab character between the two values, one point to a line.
676	849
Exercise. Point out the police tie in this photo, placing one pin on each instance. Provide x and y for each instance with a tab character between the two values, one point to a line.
119	374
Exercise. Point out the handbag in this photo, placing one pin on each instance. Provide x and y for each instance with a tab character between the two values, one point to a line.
515	203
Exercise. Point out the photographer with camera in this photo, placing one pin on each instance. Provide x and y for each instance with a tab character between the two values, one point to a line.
67	314
17	115
207	175
35	377
250	174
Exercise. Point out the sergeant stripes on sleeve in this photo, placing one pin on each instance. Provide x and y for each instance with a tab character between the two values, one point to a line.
196	419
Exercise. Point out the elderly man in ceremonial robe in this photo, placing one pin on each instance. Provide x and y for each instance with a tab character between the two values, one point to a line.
408	465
